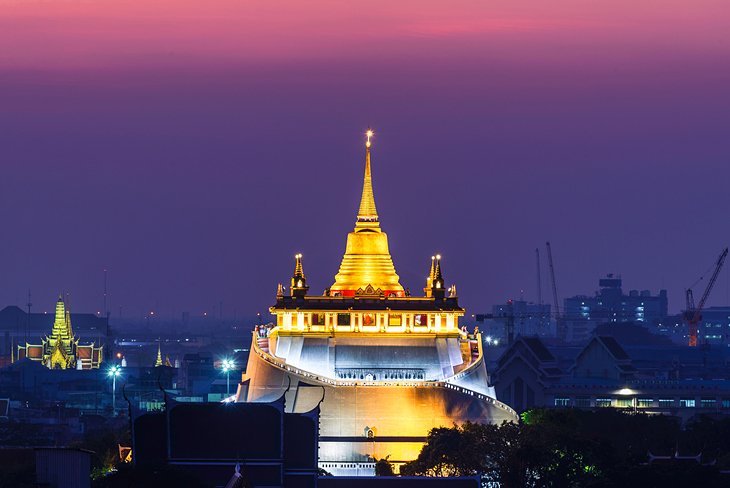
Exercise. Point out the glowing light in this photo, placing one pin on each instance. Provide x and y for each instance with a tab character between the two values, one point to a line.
626	391
438	256
228	365
114	371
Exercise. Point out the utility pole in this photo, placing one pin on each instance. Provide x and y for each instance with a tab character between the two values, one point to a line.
27	324
539	290
106	313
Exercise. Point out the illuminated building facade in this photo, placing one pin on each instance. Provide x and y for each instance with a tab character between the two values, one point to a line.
61	349
384	366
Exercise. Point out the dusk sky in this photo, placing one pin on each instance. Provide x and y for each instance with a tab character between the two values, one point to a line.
192	148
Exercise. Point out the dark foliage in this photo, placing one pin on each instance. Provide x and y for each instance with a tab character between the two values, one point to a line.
383	467
163	477
576	448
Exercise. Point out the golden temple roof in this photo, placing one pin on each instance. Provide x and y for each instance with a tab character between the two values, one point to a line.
367	260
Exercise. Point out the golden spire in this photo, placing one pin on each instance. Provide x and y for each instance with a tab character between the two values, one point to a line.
298	269
367	212
158	363
367	260
437	289
437	275
62	322
298	281
431	275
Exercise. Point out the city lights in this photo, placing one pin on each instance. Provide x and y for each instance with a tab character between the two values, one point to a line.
113	373
227	365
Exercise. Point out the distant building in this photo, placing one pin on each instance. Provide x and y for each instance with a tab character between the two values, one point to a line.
582	313
714	327
17	327
197	373
603	373
522	317
61	349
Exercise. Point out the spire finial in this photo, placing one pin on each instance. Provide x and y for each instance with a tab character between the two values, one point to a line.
367	212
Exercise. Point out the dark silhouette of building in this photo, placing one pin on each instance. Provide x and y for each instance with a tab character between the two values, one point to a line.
611	305
652	377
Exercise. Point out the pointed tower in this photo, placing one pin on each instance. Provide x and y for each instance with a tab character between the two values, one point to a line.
437	288
367	266
298	281
62	324
429	279
158	362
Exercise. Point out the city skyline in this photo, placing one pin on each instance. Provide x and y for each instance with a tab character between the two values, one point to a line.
158	143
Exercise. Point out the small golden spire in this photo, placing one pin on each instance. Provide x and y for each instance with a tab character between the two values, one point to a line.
429	279
437	290
298	270
367	212
298	281
158	363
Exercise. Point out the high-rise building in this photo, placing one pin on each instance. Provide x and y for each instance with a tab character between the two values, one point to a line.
610	304
61	349
384	366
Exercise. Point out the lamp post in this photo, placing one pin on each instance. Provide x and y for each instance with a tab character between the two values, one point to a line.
228	365
113	372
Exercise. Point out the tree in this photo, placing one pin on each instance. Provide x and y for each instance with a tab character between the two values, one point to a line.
383	467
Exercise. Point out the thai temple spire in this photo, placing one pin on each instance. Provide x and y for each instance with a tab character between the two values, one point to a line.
298	281
61	349
367	212
429	279
437	288
62	323
158	362
367	267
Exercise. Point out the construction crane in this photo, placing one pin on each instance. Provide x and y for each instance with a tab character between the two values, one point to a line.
539	287
539	279
693	315
558	320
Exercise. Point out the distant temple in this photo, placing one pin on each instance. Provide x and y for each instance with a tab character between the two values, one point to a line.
384	366
61	349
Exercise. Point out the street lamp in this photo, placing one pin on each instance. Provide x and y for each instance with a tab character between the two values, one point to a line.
228	365
113	372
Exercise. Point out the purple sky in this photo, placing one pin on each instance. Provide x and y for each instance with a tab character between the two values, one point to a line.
193	152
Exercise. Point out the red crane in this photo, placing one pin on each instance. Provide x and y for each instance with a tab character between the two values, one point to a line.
693	315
